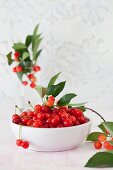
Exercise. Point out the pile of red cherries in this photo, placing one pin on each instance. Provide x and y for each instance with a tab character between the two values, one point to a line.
49	116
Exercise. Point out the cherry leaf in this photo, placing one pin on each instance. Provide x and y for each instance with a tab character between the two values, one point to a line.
93	136
101	159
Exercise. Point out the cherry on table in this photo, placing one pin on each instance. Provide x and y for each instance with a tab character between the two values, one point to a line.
19	142
25	144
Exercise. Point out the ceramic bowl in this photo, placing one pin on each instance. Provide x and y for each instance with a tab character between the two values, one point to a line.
52	139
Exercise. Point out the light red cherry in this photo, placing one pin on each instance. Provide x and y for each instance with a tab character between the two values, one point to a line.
37	124
19	69
55	120
67	122
16	118
38	108
17	54
36	68
98	145
24	83
19	142
32	85
14	69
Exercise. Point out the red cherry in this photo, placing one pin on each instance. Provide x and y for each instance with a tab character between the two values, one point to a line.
24	120
81	119
79	113
23	114
55	121
47	115
30	114
51	98
63	108
107	145
30	76
60	125
36	68
16	54
48	120
24	83
37	124
76	112
55	110
38	108
19	69
35	117
101	137
19	142
45	109
73	119
14	69
34	79
97	145
25	144
77	123
67	122
41	116
32	85
30	122
63	114
16	118
49	103
46	125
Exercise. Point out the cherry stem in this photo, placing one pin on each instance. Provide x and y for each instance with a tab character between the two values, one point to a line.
96	113
20	128
17	108
30	104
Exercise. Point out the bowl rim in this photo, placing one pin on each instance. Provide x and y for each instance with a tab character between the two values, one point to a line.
62	128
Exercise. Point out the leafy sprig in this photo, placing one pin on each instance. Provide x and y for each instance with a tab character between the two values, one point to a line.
25	56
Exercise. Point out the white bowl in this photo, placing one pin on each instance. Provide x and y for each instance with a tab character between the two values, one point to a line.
53	139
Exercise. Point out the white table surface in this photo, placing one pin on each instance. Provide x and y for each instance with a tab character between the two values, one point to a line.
14	158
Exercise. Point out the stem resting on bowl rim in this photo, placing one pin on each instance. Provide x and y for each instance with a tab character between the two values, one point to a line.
96	113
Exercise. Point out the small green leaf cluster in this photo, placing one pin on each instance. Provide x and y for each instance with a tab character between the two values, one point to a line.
54	90
101	159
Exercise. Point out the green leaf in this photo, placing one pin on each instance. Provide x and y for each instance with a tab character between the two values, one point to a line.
35	35
77	104
53	79
83	108
41	90
20	75
110	151
111	142
9	59
108	126
36	45
101	159
65	100
101	126
19	46
54	90
35	30
28	40
37	54
25	55
93	136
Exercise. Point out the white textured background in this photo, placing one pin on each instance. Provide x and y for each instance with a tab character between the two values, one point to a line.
78	41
